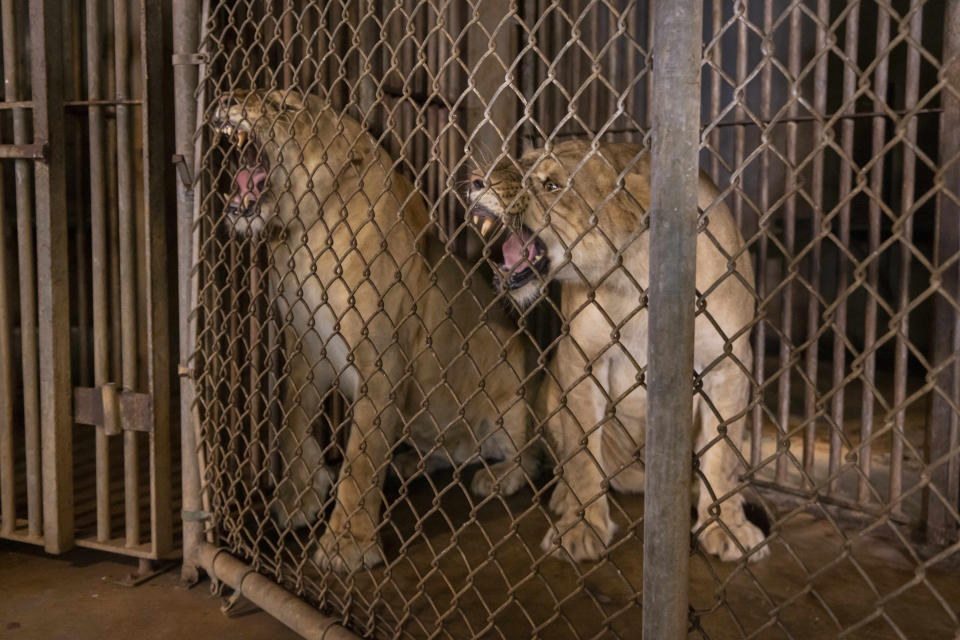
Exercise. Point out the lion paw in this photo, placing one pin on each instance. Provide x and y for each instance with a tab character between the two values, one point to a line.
715	540
294	511
580	540
504	477
344	553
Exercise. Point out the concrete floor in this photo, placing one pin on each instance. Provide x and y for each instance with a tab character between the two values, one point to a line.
74	597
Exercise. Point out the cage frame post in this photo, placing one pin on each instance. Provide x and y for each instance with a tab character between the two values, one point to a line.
186	39
941	527
672	293
53	281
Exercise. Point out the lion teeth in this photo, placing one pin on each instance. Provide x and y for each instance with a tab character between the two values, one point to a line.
485	226
476	219
241	138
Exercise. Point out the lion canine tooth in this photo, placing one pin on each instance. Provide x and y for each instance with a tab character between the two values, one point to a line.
485	226
476	219
241	138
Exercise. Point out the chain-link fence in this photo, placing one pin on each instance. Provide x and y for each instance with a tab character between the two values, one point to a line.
419	328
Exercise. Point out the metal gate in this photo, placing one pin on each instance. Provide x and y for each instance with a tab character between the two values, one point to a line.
830	131
84	341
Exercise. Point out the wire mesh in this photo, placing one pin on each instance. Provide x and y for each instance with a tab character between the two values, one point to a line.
391	428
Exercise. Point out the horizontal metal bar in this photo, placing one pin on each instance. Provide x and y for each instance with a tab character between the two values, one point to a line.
767	123
35	151
834	501
71	104
83	104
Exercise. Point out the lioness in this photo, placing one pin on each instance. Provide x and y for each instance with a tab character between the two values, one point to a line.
575	215
373	305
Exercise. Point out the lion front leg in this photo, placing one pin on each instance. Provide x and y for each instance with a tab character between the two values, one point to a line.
730	536
304	480
351	540
510	444
585	527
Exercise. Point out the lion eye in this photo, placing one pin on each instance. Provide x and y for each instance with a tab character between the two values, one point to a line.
550	185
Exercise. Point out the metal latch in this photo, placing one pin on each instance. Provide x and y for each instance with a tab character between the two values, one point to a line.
189	58
113	409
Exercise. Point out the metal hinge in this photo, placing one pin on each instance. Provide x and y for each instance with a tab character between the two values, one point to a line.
183	171
113	409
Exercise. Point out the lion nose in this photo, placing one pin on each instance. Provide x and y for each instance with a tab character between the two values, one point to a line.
476	181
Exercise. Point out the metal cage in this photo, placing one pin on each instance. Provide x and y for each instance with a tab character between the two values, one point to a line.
830	132
85	437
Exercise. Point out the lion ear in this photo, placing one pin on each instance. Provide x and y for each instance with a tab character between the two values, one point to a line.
293	98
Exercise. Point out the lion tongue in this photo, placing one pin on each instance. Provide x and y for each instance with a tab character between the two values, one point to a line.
514	251
249	182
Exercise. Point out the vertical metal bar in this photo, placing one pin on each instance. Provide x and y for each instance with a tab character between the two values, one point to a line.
99	259
740	114
850	45
155	244
367	38
8	507
873	269
760	336
46	38
912	91
790	224
943	436
715	87
490	121
673	223
186	40
286	20
810	392
81	242
27	268
128	273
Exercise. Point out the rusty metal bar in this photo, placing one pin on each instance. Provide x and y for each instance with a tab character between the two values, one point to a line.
790	235
8	507
673	224
128	268
873	269
850	46
99	259
269	596
716	94
944	433
739	141
186	41
810	391
760	334
23	151
46	23
912	92
27	269
155	168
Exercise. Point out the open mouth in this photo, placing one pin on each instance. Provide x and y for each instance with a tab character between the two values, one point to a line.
517	252
247	167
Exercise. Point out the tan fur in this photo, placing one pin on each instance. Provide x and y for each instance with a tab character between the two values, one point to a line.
594	220
374	305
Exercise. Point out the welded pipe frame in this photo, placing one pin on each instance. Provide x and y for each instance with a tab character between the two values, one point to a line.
269	596
673	227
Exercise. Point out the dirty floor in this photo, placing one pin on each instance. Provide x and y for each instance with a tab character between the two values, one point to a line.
75	597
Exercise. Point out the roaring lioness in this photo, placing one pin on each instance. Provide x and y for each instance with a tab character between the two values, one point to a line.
374	305
575	215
